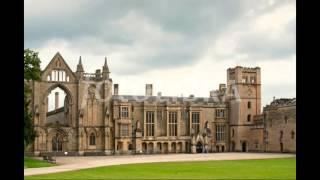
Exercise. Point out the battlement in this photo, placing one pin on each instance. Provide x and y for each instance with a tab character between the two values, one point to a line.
249	69
282	102
244	75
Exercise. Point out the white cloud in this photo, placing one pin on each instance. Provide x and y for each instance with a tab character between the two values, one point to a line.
142	49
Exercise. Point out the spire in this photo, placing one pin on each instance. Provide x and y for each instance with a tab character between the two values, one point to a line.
105	66
105	69
79	66
80	63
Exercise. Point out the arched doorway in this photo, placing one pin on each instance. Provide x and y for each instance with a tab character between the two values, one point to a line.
187	147
179	147
199	147
165	147
244	146
144	147
173	147
150	148
159	148
57	143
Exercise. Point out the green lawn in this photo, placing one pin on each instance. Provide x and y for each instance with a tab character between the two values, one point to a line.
239	169
35	163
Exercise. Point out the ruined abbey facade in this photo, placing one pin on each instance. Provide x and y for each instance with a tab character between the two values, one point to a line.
96	120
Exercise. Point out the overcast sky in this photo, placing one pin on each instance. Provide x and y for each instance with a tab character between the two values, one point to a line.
182	47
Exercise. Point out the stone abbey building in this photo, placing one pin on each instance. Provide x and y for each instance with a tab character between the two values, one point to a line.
96	120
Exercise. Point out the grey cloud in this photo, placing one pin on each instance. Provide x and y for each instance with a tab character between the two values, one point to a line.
88	29
192	17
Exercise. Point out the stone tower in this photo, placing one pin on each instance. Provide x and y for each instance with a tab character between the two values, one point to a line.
244	90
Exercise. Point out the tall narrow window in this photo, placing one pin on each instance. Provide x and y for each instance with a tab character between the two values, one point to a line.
124	112
92	139
292	134
150	123
124	130
281	135
249	105
196	122
59	75
63	76
220	132
173	124
249	118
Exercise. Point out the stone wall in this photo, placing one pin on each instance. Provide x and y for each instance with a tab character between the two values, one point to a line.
281	120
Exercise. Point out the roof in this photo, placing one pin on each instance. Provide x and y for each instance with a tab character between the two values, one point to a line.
170	99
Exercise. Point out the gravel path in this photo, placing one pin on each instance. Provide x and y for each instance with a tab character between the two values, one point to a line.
84	162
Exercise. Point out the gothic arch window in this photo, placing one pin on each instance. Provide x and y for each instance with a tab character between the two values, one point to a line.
232	132
249	105
281	135
56	99
92	139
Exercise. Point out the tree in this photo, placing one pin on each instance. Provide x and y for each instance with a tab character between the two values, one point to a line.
32	72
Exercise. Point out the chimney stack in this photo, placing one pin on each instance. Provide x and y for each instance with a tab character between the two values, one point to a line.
56	100
148	89
116	89
98	73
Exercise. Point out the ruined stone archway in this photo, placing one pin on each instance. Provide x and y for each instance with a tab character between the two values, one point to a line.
62	114
78	109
